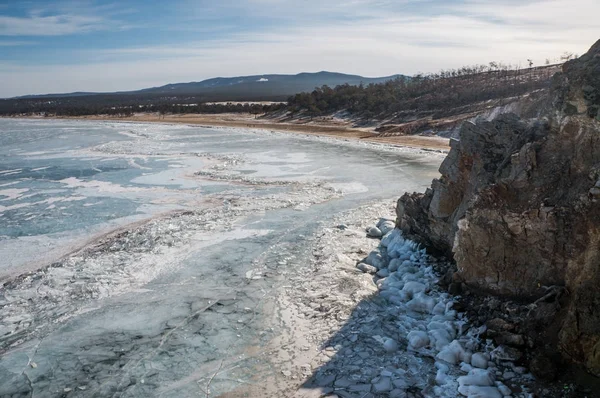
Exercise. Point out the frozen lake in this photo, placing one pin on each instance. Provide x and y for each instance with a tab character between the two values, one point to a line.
136	257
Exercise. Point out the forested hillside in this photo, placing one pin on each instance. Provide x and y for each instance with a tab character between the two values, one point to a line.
433	95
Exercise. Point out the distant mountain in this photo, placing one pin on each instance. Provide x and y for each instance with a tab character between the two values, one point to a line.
234	88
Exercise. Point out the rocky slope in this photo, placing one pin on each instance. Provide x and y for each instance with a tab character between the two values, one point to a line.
517	206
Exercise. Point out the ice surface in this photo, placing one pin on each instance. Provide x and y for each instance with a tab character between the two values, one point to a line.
159	306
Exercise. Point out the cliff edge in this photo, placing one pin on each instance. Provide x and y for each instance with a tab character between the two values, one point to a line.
518	208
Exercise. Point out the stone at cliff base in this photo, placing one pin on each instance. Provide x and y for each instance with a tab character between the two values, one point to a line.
366	268
374	232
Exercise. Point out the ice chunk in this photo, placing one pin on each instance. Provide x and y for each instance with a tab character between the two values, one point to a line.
480	360
388	239
454	353
376	259
421	303
447	326
440	308
394	264
417	339
390	345
504	390
413	287
479	392
386	226
442	378
465	367
374	232
477	377
440	338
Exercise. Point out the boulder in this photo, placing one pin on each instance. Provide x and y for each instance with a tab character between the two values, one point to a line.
374	232
366	268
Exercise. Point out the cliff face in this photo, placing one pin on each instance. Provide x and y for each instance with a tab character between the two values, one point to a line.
518	207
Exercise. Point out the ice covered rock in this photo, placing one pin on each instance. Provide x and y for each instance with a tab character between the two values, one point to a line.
383	273
479	392
374	232
417	339
394	264
421	303
477	377
390	345
446	326
504	390
465	367
412	288
440	308
383	385
454	353
376	259
386	226
480	360
369	269
440	338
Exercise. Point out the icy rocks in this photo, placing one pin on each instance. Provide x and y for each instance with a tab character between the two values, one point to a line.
454	353
366	268
477	377
374	232
383	385
376	259
383	273
421	303
415	308
390	345
478	383
479	392
393	265
480	360
417	339
385	225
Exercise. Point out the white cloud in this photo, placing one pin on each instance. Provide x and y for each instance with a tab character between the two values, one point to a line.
62	18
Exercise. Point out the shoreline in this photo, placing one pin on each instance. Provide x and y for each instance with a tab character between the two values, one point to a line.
341	130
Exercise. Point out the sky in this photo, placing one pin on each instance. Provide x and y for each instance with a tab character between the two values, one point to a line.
63	46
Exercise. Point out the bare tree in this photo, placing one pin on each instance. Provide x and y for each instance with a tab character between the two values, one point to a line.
566	56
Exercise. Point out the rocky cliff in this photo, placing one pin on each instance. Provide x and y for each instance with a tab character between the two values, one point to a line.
518	208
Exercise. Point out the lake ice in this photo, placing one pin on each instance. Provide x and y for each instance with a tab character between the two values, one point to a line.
137	256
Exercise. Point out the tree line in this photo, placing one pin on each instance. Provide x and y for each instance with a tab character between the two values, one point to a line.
435	93
78	106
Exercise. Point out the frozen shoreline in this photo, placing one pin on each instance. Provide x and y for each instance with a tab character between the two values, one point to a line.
394	334
201	283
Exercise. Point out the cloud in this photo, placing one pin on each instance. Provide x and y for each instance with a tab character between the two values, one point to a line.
58	19
367	37
55	25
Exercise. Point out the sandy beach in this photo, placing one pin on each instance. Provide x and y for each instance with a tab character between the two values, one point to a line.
337	128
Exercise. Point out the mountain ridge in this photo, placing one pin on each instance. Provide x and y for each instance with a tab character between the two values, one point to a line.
267	84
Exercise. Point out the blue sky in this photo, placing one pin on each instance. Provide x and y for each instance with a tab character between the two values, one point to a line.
92	45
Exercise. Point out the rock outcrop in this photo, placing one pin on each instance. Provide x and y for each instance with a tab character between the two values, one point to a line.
518	208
